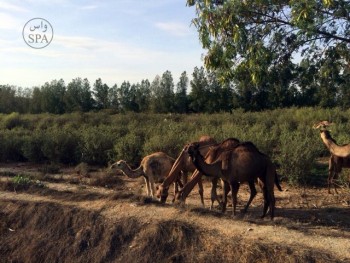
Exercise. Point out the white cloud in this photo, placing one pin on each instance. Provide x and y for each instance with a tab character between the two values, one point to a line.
11	7
9	22
174	28
89	7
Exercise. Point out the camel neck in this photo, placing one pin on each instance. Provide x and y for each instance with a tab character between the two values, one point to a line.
335	149
203	167
132	173
175	171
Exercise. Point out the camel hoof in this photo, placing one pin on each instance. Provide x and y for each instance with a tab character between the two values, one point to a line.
243	211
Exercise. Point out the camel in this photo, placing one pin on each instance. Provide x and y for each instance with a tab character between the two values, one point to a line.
335	166
332	146
153	167
183	163
243	163
338	158
213	153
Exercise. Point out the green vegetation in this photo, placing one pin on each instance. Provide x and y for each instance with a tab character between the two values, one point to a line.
278	53
97	138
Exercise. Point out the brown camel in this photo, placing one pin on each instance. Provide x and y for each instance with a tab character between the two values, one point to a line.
335	166
340	154
184	163
211	156
244	163
332	146
153	168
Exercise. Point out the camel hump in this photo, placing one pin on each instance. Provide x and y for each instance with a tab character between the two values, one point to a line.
207	139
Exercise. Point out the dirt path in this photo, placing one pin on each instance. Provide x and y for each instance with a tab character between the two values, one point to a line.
305	220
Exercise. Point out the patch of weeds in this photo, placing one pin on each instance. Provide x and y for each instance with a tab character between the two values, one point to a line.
21	182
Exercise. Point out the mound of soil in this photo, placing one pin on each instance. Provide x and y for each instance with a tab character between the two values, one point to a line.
68	222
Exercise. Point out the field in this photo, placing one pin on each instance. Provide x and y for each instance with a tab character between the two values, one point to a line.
88	214
60	203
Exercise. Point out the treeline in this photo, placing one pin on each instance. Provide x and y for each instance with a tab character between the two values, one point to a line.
203	94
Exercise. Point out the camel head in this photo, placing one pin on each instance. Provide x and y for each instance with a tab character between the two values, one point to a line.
192	149
322	125
120	165
162	193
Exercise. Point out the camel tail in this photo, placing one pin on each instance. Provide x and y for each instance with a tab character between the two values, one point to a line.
277	183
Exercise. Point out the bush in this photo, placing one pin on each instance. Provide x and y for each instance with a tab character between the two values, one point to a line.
62	146
296	155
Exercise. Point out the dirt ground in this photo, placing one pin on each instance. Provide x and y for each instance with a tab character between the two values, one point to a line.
89	215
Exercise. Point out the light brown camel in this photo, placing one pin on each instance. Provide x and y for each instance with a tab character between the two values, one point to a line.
153	168
211	156
332	146
184	163
340	154
243	163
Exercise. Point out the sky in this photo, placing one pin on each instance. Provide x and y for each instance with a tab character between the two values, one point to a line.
120	40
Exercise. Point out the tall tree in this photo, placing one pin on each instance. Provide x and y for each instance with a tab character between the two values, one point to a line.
52	97
162	92
78	96
7	98
181	100
252	37
101	92
199	94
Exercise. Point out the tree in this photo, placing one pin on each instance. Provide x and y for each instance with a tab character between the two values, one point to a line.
143	95
7	99
101	92
181	100
78	96
52	97
252	38
199	94
162	93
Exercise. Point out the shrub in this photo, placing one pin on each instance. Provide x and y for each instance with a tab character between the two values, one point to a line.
97	144
129	148
296	156
62	146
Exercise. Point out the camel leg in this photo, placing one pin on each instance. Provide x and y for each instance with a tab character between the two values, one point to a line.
234	190
266	201
147	186
252	195
196	177
201	191
331	172
226	189
272	202
152	186
213	193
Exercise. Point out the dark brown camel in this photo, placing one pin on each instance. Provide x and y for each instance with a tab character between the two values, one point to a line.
244	163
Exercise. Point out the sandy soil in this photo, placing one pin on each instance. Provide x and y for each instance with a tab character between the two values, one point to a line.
310	224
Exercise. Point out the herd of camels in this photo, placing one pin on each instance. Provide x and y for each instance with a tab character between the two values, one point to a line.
231	161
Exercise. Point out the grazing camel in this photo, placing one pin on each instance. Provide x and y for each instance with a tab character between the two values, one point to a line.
184	163
244	163
153	167
211	156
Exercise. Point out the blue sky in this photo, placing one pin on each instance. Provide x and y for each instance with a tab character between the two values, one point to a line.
113	40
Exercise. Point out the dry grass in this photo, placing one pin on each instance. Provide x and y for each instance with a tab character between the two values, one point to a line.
88	223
